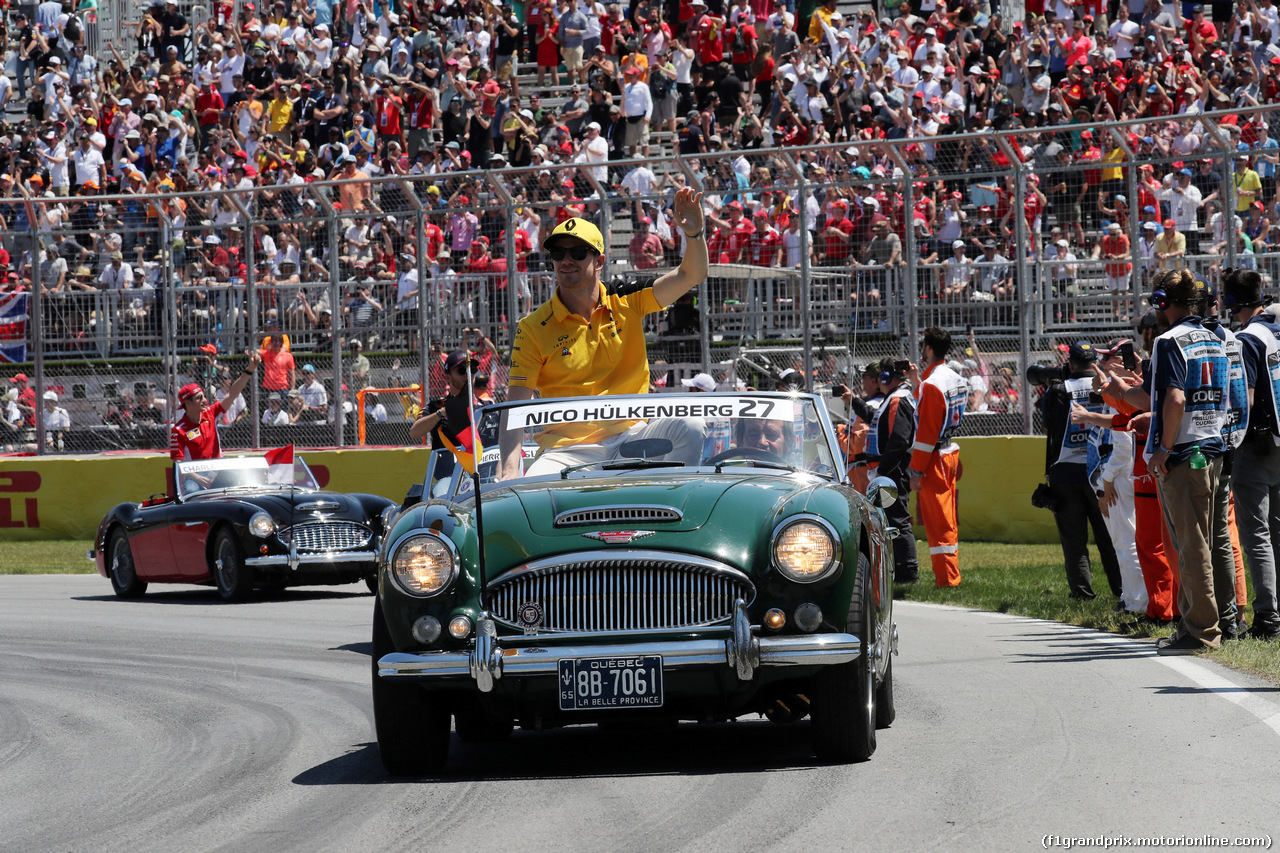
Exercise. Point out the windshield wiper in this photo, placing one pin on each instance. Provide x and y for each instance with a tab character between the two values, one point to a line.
619	465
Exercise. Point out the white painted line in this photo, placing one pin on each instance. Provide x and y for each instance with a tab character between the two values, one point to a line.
1200	673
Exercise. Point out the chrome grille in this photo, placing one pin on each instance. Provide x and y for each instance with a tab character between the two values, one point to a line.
628	593
328	536
607	514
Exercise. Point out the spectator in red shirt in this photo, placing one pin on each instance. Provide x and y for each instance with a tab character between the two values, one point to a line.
209	107
837	234
26	398
645	251
195	435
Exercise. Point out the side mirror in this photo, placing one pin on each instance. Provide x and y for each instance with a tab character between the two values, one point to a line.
882	492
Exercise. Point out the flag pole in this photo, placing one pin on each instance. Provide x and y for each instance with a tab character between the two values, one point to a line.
475	484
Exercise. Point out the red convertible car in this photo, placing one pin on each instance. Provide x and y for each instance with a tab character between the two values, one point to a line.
238	524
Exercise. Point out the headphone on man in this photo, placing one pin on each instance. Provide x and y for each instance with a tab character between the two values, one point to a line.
1158	299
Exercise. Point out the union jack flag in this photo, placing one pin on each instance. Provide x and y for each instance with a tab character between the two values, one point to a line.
13	327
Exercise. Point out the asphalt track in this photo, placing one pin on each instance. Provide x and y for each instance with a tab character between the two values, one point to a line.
178	723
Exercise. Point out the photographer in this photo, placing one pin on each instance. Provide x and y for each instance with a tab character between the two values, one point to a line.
889	443
1186	392
1074	502
1256	476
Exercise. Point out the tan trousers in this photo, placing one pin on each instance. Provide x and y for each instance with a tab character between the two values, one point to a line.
1187	497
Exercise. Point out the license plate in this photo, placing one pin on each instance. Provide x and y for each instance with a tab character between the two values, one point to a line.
588	684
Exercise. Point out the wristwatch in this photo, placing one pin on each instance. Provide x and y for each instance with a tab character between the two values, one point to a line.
701	231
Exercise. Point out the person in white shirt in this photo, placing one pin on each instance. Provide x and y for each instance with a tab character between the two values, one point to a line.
53	154
1126	33
238	406
56	420
637	106
116	275
957	273
275	415
89	163
1184	201
315	399
641	181
230	65
595	149
373	410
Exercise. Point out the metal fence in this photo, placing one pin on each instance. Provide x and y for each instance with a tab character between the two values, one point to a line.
368	283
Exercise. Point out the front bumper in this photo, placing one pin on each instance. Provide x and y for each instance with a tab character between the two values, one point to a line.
326	558
741	650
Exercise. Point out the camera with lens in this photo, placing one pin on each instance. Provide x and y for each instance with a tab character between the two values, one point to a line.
1041	375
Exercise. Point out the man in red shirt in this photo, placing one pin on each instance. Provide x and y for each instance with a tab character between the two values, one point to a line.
837	235
209	107
645	250
280	372
195	435
766	242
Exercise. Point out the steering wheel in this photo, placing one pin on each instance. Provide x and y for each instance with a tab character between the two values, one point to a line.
744	453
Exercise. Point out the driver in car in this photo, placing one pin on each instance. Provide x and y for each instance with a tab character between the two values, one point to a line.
766	436
588	340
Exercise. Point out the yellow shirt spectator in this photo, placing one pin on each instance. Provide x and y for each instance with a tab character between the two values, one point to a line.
1173	245
1248	186
279	113
1113	172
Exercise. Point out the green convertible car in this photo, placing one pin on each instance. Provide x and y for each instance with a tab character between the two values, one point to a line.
654	557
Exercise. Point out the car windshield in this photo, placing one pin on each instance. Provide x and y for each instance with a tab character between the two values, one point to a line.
601	436
240	472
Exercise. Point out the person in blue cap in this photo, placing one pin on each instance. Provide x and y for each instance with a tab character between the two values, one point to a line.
1076	507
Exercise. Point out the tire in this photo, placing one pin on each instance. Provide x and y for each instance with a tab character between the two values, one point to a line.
412	729
121	568
843	697
478	727
372	583
233	578
886	713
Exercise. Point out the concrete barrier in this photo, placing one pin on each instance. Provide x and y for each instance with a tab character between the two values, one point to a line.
66	497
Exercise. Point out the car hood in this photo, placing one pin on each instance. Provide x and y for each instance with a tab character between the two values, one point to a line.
293	508
712	508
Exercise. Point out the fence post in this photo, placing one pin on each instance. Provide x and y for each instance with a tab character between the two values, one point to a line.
37	323
1228	189
1024	279
427	308
910	289
335	338
251	301
1131	187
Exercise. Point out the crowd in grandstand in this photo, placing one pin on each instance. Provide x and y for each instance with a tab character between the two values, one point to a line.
268	98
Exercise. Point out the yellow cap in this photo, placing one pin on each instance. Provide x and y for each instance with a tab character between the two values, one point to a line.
580	228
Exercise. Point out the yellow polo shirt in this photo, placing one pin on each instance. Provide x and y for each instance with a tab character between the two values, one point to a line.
561	354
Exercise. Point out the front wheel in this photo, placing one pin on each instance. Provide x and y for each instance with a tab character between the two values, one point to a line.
371	581
121	568
233	578
843	697
412	728
886	713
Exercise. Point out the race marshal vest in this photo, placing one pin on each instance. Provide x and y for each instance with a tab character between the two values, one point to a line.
1205	387
1269	336
955	390
1075	441
1237	424
873	437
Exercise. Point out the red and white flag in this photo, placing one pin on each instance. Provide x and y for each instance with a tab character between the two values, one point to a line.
280	465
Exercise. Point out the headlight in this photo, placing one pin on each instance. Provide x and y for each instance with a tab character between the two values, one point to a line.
804	551
424	565
261	525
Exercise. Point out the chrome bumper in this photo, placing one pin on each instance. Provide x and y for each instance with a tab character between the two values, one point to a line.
294	559
742	652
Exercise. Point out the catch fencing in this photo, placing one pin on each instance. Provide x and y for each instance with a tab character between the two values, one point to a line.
369	283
